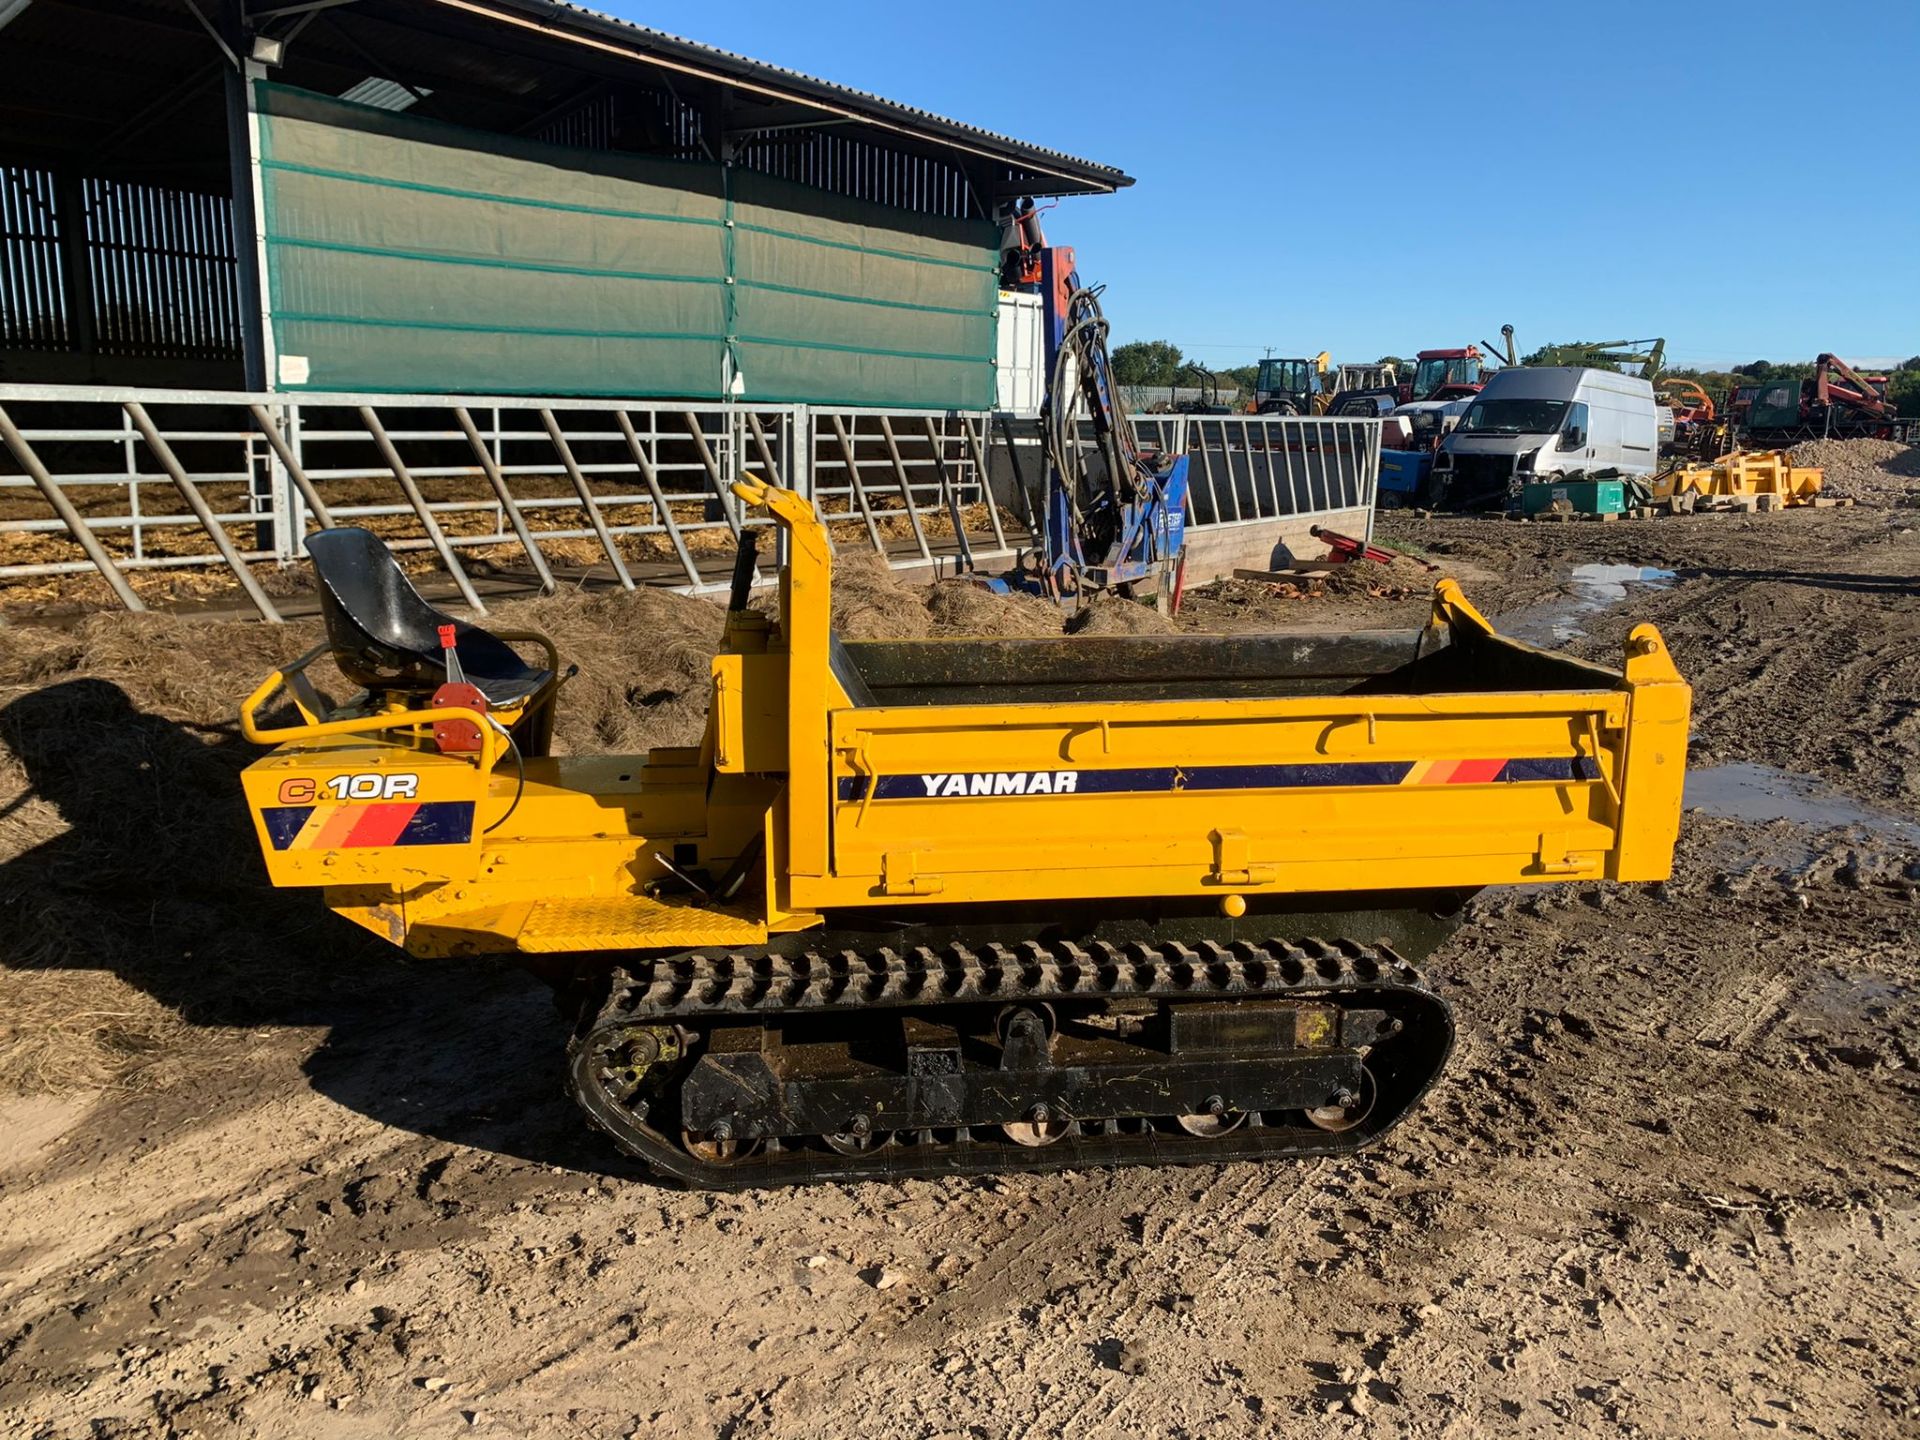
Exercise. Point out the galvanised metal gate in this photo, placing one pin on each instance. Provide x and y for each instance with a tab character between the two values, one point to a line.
159	479
1245	468
121	481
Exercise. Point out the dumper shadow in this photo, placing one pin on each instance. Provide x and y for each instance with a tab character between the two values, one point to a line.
1895	586
156	878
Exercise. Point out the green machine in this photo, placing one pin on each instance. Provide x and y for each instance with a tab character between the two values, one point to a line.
1574	497
1775	406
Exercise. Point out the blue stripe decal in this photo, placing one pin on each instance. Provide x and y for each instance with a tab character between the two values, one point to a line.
439	822
1164	778
1579	768
283	822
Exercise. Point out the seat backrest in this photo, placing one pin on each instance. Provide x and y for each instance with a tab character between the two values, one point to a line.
381	631
384	636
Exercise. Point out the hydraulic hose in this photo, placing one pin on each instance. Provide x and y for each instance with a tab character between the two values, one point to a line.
1082	388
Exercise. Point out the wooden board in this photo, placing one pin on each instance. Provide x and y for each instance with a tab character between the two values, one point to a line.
1278	577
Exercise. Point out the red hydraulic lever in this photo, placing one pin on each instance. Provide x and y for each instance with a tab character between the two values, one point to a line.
454	736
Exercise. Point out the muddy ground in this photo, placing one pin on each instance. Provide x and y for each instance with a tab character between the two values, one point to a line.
1669	1186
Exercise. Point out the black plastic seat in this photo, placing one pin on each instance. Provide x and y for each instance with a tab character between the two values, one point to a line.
385	637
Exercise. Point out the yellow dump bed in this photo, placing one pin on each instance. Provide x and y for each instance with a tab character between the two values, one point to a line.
1024	769
996	770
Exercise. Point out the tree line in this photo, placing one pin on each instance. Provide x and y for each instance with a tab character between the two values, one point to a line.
1160	362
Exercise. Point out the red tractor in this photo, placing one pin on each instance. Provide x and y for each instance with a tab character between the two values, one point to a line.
1443	375
1438	375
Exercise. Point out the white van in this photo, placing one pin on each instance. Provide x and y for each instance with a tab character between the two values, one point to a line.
1546	423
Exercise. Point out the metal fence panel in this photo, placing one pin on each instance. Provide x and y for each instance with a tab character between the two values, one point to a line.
1268	467
164	479
33	286
132	270
161	271
122	480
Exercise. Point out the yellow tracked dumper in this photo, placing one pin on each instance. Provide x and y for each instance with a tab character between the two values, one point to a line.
936	906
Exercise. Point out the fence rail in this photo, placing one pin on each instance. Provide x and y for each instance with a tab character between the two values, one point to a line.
122	481
1259	467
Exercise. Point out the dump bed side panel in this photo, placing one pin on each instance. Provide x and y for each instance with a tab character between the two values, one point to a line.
1342	793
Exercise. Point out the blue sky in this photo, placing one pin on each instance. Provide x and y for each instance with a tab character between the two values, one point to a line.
1384	177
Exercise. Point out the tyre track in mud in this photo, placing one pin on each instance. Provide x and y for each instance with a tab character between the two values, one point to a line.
1255	1226
279	1162
1204	1227
1028	1297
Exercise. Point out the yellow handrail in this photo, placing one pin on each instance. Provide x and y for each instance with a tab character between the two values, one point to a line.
1451	607
491	738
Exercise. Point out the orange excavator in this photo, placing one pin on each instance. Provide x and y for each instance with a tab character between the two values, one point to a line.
1697	430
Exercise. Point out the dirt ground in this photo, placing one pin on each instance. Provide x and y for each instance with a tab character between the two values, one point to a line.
258	1177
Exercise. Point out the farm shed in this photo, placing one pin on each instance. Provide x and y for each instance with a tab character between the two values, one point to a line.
483	196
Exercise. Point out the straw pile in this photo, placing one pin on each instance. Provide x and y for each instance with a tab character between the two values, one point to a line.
132	903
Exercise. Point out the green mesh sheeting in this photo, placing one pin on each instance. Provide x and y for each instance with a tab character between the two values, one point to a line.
401	256
406	255
837	305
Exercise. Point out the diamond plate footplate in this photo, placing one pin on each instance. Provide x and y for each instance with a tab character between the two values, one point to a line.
631	922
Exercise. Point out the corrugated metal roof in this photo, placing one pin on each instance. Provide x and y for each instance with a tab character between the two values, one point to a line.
560	16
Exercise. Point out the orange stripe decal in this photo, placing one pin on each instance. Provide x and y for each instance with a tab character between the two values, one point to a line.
1475	772
1454	772
315	822
338	825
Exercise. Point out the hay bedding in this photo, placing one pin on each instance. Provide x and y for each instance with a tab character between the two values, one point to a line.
643	658
959	607
132	904
1109	616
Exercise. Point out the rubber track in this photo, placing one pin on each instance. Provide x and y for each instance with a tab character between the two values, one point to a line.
696	988
690	987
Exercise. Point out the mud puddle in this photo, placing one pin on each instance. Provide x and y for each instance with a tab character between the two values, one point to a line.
1761	793
1593	588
